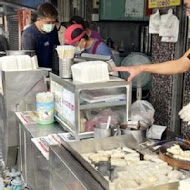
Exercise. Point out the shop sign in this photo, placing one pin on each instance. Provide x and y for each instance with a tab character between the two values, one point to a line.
163	3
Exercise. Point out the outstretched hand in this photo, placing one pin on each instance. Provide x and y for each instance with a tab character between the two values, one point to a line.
133	71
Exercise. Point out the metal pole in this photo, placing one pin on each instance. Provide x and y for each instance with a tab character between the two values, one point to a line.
178	79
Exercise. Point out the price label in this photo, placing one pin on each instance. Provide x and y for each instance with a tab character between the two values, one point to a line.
163	3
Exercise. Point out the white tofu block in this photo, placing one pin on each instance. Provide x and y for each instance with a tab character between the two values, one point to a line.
90	72
9	63
118	162
184	184
34	62
24	62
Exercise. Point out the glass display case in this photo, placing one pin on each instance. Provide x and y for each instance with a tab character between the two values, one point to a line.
73	100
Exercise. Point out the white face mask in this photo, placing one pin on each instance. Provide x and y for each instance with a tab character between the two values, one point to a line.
189	18
48	27
78	50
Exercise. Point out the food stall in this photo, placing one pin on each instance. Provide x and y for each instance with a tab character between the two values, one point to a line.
83	162
53	155
113	163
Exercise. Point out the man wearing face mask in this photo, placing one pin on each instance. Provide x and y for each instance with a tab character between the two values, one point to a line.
75	35
42	35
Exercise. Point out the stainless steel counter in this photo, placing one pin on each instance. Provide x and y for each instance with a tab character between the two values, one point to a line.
19	89
36	130
32	164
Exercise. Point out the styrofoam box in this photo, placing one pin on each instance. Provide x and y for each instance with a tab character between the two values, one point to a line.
90	72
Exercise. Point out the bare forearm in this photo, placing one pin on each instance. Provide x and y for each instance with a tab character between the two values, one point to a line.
170	67
166	68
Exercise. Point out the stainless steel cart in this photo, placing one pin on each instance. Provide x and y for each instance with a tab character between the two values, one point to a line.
72	106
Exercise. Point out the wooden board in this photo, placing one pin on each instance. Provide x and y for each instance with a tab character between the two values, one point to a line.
170	159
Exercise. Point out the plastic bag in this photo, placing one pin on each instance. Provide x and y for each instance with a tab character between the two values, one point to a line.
169	27
102	117
154	24
142	111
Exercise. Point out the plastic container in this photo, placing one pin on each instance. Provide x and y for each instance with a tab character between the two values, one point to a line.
65	68
45	108
17	183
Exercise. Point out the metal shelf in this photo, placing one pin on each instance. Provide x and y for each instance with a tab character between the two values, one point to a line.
65	126
102	105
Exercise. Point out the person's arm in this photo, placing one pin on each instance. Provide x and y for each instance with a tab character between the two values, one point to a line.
5	43
170	67
28	41
55	61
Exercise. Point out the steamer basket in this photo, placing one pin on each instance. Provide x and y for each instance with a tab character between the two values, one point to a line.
65	68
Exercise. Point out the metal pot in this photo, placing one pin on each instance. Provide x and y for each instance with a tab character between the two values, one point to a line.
100	131
138	134
21	52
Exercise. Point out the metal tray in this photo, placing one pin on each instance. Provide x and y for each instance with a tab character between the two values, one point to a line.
94	145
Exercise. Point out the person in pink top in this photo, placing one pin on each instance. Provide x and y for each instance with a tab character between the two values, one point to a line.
86	26
92	33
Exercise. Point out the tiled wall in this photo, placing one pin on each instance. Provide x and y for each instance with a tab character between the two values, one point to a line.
161	93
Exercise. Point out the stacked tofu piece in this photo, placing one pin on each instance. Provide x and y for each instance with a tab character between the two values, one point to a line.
129	172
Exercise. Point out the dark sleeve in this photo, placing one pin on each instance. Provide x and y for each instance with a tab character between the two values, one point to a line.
5	43
57	39
28	41
55	61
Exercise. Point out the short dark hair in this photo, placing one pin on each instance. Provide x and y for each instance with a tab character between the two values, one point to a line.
77	20
47	10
